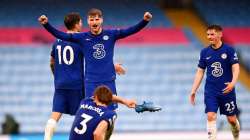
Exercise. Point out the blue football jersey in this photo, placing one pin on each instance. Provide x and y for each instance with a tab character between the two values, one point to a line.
98	49
218	63
87	118
69	70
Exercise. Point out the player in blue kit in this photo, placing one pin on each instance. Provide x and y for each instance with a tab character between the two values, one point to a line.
67	66
98	45
94	118
222	69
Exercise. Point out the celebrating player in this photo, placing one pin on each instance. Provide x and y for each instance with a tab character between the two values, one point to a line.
94	119
67	66
222	66
98	45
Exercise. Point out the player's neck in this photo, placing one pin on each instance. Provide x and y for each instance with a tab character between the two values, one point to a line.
72	31
97	32
217	45
100	104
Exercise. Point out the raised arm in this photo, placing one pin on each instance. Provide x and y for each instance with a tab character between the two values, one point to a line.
128	103
134	29
56	33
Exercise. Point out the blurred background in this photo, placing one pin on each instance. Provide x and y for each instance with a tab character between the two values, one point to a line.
161	61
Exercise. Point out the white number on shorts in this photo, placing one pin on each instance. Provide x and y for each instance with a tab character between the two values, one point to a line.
230	106
64	55
86	118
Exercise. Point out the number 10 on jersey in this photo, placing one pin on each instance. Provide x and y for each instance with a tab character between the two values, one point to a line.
62	54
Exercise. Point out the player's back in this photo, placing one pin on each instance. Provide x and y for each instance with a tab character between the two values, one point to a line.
69	69
87	119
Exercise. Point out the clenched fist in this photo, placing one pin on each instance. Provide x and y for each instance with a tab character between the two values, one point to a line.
43	19
147	16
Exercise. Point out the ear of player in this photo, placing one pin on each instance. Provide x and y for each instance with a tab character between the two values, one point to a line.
147	106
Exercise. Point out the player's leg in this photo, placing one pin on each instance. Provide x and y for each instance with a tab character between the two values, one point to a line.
229	108
51	125
235	126
211	125
211	109
57	110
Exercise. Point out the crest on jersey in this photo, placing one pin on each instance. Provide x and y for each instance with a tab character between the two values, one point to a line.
105	37
224	56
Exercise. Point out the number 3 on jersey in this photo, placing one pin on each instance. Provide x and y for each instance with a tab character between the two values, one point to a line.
86	118
63	53
217	71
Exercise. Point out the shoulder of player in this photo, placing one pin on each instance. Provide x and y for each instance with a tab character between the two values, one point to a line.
205	49
80	34
87	100
110	31
109	112
229	47
66	43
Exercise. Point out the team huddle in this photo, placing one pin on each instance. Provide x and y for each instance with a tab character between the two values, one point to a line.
84	77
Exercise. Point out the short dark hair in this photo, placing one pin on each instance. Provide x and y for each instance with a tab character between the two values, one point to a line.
71	19
103	94
94	12
215	27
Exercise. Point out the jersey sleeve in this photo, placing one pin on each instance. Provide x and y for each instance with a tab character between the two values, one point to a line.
61	35
110	118
233	57
202	62
122	33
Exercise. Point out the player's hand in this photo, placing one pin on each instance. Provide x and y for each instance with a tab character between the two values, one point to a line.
192	98
130	103
119	69
229	88
147	16
43	19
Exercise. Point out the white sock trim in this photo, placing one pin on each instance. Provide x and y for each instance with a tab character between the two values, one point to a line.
211	130
49	129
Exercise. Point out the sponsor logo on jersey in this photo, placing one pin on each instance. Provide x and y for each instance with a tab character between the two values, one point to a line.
99	52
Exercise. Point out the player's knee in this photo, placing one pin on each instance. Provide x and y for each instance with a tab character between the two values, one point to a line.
211	116
56	116
232	119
